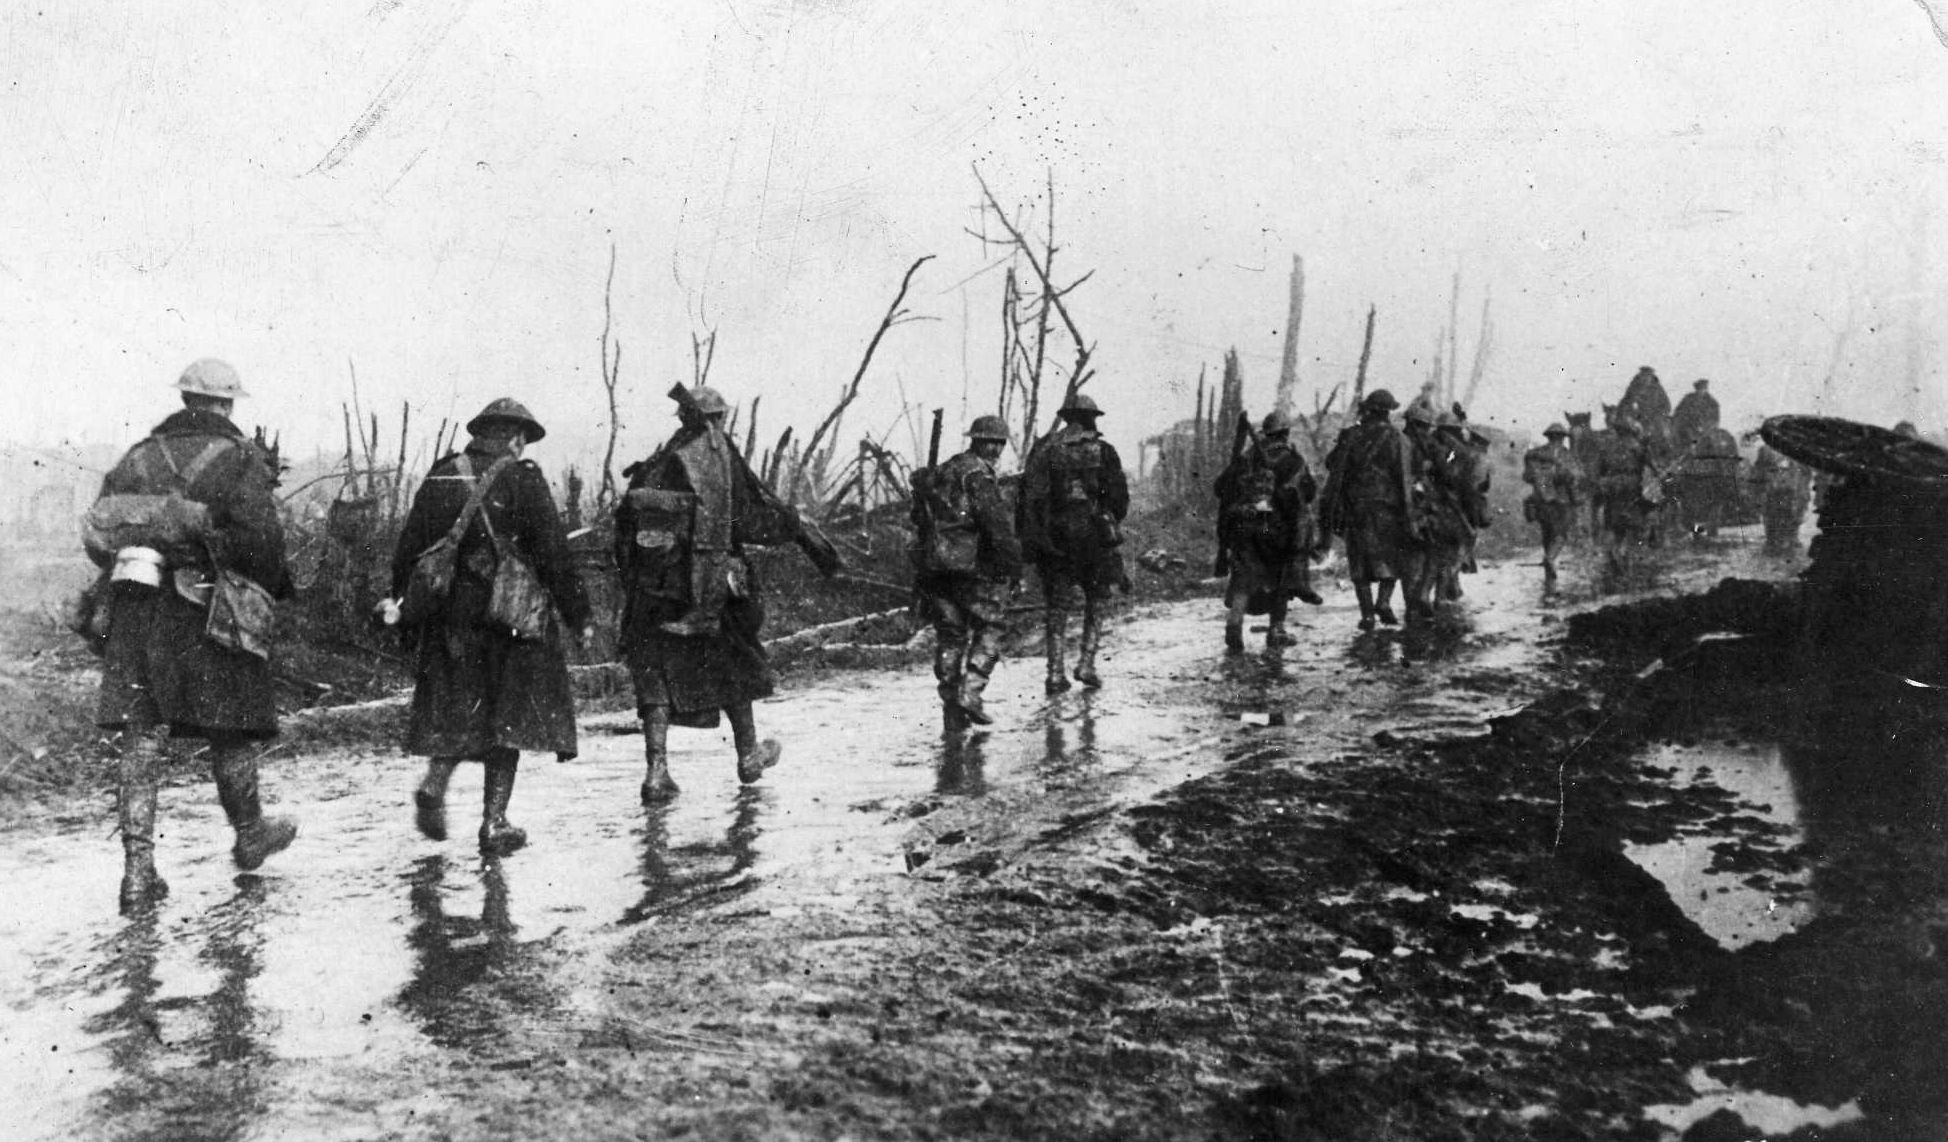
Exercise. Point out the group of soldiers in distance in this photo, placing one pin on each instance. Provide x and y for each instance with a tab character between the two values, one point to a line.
187	536
1654	469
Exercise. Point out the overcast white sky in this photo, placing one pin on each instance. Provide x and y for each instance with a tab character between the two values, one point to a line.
429	188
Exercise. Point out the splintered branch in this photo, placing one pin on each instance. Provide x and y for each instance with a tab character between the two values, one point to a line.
894	316
611	374
1052	294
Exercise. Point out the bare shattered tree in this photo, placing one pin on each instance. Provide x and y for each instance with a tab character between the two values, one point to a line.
810	482
606	492
1027	318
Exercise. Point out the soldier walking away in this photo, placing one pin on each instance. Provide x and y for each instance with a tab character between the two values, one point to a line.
1628	490
483	692
1369	501
1554	479
1069	514
692	609
186	523
1695	415
967	566
1465	477
1783	489
1266	536
1645	402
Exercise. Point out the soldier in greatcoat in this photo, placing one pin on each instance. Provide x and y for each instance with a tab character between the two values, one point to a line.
162	675
1069	515
481	692
1467	474
692	611
1443	530
1265	507
968	564
1369	501
1695	415
1784	489
1555	482
1627	488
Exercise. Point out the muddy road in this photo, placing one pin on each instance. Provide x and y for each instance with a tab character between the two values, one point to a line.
1404	884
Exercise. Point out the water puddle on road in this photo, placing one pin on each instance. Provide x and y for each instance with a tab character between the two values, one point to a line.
1769	1114
1707	868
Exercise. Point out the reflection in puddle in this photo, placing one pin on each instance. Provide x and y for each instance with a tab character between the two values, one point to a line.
1731	906
1769	1114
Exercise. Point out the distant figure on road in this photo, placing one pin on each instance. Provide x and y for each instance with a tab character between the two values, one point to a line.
481	691
1646	403
967	566
692	609
1627	489
1555	482
1069	514
186	523
1696	415
1369	500
1265	510
1783	489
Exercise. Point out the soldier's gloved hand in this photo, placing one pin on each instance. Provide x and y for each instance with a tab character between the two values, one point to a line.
386	612
585	637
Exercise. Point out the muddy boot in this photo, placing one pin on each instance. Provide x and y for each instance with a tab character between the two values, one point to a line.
1056	624
753	756
1304	592
1363	591
949	654
429	800
1234	633
1383	606
1092	634
981	659
658	786
258	837
969	699
499	836
1275	633
141	887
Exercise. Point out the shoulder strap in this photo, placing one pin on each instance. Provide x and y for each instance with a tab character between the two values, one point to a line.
186	476
480	488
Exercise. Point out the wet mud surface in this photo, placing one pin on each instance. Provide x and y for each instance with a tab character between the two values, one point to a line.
1472	882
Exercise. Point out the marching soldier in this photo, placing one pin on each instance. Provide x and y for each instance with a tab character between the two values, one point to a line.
481	691
1783	488
692	614
1264	504
1069	515
185	520
1553	476
1369	500
1628	490
969	563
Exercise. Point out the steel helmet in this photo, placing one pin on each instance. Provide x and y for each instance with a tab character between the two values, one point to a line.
1380	400
507	410
1275	423
211	378
988	427
1081	404
1418	413
1555	430
708	401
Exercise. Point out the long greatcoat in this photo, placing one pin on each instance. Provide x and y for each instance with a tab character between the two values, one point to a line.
1070	507
477	687
1369	499
1271	546
692	612
158	668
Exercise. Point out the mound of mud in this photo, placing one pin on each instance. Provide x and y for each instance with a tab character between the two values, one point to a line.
1744	606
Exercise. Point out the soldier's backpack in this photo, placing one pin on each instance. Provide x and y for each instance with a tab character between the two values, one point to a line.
160	521
950	537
